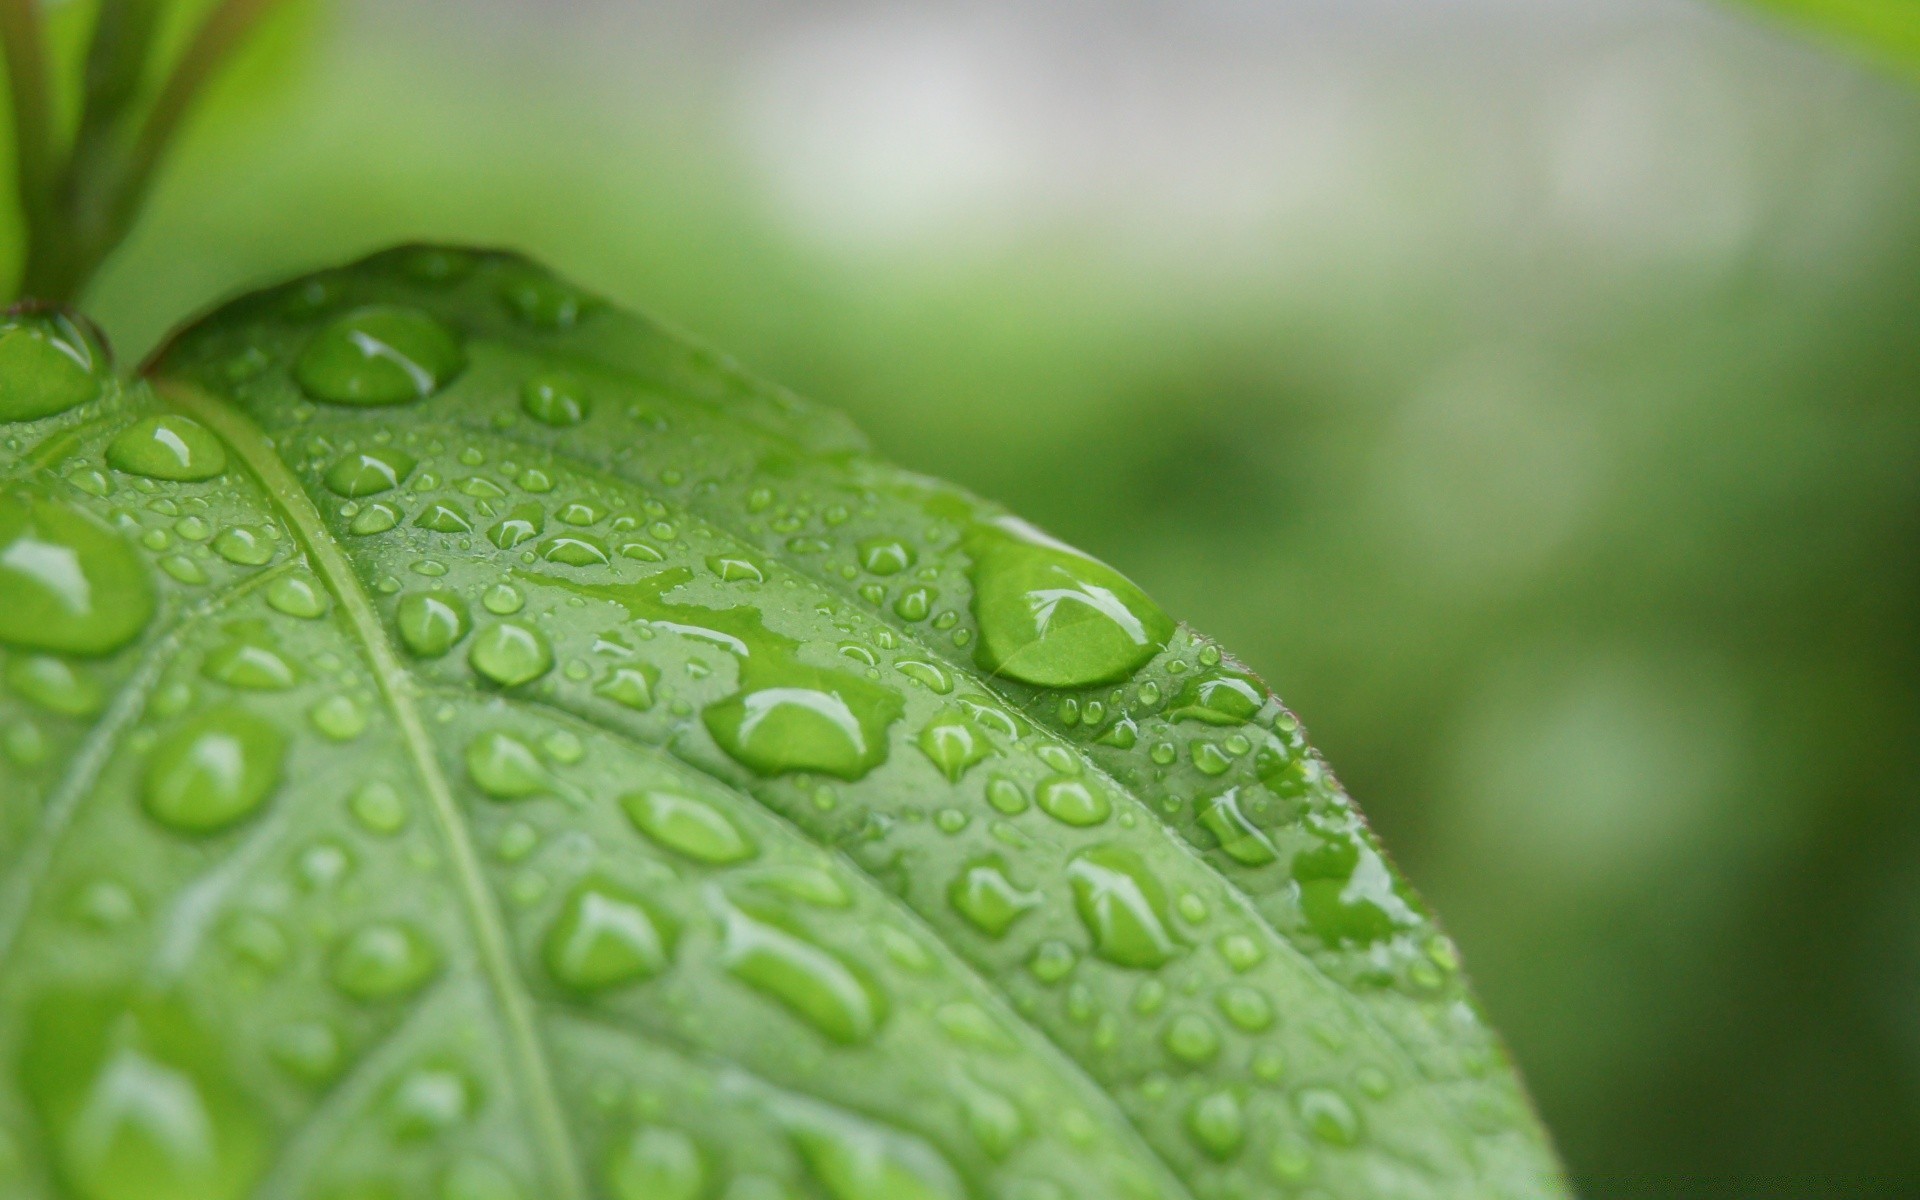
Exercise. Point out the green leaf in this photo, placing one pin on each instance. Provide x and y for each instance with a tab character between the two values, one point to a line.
467	741
1890	28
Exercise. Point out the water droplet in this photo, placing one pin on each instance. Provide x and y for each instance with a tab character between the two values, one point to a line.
429	1101
377	805
381	354
431	623
1347	892
575	550
995	1121
478	1179
169	447
136	1104
805	719
1328	1116
213	772
1123	906
249	661
984	894
1052	961
55	685
914	604
809	980
72	585
931	676
338	718
797	881
1191	1039
1005	796
1077	802
857	1160
435	264
1239	837
885	555
49	363
244	545
1241	952
369	472
510	653
310	1051
630	685
503	600
606	937
1052	617
524	523
1224	699
1246	1007
298	595
734	569
1217	1124
656	1164
954	744
384	961
105	905
504	767
544	302
688	826
554	399
443	516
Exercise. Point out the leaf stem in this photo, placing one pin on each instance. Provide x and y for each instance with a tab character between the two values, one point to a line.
35	164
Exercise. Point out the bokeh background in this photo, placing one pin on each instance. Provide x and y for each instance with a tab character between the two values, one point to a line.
1529	389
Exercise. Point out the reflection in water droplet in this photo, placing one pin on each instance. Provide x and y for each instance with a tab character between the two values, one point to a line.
298	595
213	772
385	961
524	523
49	363
510	653
954	744
886	555
791	717
630	686
505	767
369	472
431	623
1123	906
656	1163
68	583
985	895
1223	699
606	937
1052	617
688	826
169	447
381	354
806	978
1078	802
554	399
244	545
137	1102
1239	837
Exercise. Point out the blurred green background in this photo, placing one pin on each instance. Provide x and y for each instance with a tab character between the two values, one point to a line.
1529	389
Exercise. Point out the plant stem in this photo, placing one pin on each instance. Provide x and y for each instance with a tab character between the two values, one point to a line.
37	171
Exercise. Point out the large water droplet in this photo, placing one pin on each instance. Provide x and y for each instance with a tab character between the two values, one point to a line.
510	653
1221	699
1347	891
630	685
431	623
136	1102
298	595
1123	906
1077	802
606	937
214	771
369	472
984	894
1053	617
47	365
791	717
381	354
171	447
68	583
244	545
688	826
55	685
505	767
1239	837
656	1163
814	983
384	961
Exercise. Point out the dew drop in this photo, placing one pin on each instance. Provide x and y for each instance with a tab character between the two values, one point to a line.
807	979
298	595
1192	1040
606	937
931	676
575	550
1053	617
250	662
1247	1008
310	1051
1328	1116
378	355
213	772
1217	1124
554	399
687	826
55	685
171	447
504	767
443	516
503	600
1123	906
1077	802
50	365
630	686
384	961
431	623
885	555
369	472
953	744
68	584
806	719
429	1101
338	718
524	523
656	1163
378	807
855	1160
1239	838
510	653
244	545
987	897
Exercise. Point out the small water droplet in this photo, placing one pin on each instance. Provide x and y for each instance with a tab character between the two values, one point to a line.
505	767
1248	1008
378	355
213	772
503	600
1217	1124
688	826
169	447
1077	802
1191	1039
953	744
1005	796
554	399
931	676
298	595
431	623
855	1160
249	661
524	523
1328	1116
807	979
886	555
369	472
510	653
985	895
1123	906
1240	838
55	685
244	545
384	961
377	805
630	685
1052	961
72	585
310	1051
429	1101
656	1163
338	718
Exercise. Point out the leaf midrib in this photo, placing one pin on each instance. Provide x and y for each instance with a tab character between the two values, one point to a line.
397	688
